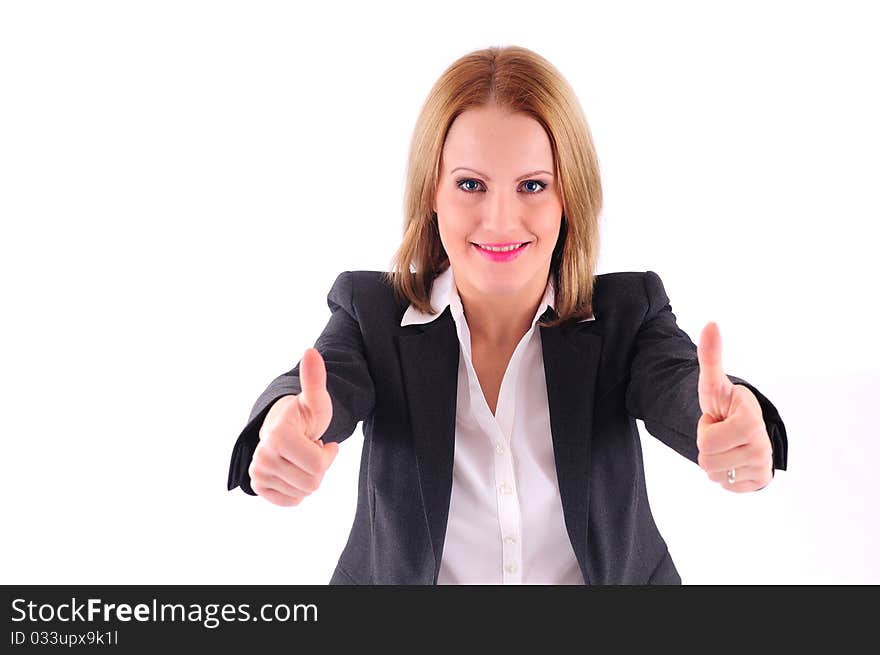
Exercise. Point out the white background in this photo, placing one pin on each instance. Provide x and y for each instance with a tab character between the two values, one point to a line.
181	182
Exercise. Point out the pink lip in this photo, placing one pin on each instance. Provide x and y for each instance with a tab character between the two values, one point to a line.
501	256
501	245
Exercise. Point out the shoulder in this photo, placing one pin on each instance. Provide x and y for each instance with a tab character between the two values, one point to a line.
364	292
640	291
370	285
370	291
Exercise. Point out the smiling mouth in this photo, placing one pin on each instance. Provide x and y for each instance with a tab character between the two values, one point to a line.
497	245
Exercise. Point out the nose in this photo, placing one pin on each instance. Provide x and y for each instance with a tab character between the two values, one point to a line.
501	214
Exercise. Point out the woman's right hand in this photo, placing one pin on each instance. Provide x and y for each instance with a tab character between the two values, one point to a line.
290	459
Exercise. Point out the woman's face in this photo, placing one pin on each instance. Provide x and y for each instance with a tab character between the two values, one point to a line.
497	186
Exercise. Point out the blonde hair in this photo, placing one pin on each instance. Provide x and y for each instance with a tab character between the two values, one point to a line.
519	80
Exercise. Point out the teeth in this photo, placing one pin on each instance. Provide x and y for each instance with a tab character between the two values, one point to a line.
504	249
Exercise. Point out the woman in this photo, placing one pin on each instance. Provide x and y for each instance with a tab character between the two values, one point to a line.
498	378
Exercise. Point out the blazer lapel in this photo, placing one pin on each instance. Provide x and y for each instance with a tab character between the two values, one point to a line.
571	361
429	363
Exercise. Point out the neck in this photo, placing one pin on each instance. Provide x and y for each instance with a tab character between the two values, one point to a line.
500	321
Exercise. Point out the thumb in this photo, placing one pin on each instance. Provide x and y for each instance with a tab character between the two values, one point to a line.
312	376
313	382
715	388
316	401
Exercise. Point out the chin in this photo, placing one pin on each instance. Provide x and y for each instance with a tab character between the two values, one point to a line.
501	284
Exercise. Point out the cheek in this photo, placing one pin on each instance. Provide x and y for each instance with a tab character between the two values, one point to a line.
445	196
550	226
453	205
452	235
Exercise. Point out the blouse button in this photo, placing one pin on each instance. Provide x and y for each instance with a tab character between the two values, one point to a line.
511	568
499	449
505	488
509	540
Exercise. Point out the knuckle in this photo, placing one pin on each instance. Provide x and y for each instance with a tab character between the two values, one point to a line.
257	466
266	434
270	425
759	450
275	435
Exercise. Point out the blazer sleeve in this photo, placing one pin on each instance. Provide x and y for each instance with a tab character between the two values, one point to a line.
663	385
348	382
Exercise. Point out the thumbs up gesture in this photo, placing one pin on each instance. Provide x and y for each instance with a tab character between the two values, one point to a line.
734	447
290	459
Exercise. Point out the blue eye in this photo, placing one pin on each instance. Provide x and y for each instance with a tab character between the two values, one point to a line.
465	180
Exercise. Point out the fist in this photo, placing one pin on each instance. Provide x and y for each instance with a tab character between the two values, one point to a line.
733	446
290	459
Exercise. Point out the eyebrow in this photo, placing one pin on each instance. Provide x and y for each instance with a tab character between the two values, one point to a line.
521	177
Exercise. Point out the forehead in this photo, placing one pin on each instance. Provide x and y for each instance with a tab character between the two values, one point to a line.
493	138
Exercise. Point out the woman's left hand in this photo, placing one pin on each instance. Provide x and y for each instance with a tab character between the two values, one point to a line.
731	431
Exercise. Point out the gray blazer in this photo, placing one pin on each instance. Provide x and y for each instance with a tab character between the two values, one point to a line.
631	362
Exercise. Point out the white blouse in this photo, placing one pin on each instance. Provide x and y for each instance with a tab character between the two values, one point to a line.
505	521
